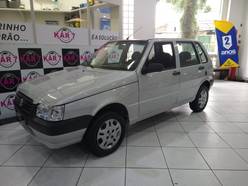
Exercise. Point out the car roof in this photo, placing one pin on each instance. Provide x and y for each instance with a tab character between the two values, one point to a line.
160	39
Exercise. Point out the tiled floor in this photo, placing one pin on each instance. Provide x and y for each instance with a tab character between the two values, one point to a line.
174	148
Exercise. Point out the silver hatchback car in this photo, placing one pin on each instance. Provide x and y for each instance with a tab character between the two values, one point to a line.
126	81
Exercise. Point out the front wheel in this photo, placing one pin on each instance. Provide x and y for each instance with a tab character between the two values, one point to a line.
201	100
106	133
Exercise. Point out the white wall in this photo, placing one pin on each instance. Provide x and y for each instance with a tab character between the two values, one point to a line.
238	15
144	18
243	71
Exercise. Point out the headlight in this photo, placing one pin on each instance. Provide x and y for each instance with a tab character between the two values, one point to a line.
55	113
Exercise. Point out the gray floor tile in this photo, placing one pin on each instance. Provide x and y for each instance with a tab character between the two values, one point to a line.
195	123
19	136
237	117
32	141
142	139
16	176
194	178
243	153
223	159
29	156
209	140
233	178
11	126
196	128
117	159
173	139
149	157
56	177
102	177
169	127
242	126
224	127
206	116
184	158
72	156
236	140
148	177
189	118
6	151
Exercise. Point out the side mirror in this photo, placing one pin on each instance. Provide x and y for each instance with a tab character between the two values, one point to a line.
152	67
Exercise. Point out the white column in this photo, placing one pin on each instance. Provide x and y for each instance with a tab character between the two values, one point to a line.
243	71
238	15
144	19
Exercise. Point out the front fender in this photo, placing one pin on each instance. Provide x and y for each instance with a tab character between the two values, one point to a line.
126	95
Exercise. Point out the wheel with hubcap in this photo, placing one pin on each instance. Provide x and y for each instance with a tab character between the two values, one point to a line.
106	133
201	100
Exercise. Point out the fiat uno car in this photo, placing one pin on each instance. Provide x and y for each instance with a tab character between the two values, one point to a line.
125	82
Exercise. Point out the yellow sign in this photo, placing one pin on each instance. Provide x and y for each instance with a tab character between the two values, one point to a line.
91	2
226	35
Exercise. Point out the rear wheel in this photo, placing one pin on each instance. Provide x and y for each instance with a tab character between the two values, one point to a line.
201	100
106	133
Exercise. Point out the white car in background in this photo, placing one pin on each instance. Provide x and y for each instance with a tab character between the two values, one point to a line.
125	82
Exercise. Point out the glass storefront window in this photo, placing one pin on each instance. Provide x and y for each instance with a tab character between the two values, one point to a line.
61	21
104	16
15	11
61	12
15	21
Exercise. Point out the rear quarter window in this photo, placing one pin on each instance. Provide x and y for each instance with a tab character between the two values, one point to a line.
201	53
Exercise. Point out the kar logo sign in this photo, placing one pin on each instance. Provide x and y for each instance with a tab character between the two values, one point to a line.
8	102
30	58
9	81
65	35
227	41
7	59
52	57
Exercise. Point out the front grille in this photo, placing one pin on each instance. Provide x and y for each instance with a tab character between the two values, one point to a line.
24	104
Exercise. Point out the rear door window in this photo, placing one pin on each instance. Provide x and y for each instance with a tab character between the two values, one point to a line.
163	53
187	54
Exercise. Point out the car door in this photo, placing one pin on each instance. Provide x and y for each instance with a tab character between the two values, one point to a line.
159	90
191	71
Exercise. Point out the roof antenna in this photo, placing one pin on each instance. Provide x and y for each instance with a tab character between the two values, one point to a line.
138	29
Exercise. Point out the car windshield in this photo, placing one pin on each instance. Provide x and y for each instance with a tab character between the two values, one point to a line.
119	55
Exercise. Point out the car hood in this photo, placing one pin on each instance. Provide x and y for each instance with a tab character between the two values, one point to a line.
74	83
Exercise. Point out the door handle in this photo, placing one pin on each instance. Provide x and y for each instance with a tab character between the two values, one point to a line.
176	73
201	68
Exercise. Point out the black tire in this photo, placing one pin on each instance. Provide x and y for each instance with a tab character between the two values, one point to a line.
91	137
197	105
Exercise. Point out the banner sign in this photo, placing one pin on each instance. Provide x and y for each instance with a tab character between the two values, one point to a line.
25	63
16	33
226	35
48	34
100	37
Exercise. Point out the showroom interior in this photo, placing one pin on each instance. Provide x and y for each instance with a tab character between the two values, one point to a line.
44	39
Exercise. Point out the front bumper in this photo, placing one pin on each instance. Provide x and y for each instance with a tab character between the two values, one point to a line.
55	134
52	134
